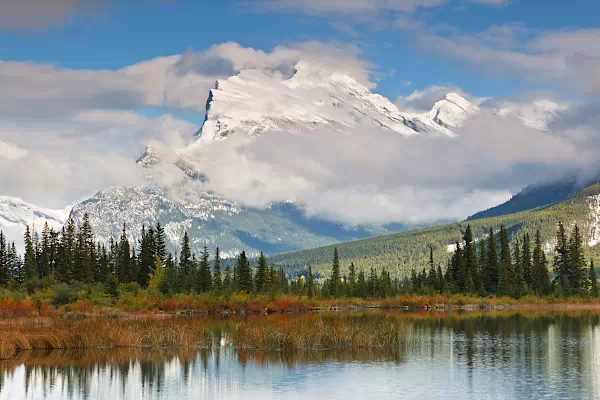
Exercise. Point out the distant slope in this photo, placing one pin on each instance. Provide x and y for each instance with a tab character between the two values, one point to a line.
534	196
402	252
16	214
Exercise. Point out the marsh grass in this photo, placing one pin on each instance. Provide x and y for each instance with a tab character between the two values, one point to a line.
285	333
52	333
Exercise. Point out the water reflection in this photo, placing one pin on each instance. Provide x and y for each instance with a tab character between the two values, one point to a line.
473	356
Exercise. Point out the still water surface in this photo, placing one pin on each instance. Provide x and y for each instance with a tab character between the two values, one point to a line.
514	356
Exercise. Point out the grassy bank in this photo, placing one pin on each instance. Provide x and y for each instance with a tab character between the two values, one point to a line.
242	303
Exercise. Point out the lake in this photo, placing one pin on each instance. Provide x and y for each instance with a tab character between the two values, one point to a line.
477	355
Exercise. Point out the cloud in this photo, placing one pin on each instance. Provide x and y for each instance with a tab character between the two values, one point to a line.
367	175
39	14
359	8
11	152
62	161
80	131
423	100
348	7
179	82
567	58
58	126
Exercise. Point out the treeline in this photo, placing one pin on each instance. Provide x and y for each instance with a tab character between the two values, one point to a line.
493	267
487	267
72	256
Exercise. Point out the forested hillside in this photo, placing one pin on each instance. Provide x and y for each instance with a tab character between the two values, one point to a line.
402	252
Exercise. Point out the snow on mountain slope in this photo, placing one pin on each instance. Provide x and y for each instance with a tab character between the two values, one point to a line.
537	114
253	102
16	214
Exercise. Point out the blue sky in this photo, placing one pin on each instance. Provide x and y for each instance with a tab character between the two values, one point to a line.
111	37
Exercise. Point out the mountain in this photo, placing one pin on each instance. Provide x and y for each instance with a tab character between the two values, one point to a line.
538	195
402	252
16	214
252	103
313	98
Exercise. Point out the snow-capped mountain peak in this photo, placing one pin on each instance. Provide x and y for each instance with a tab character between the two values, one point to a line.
452	111
254	101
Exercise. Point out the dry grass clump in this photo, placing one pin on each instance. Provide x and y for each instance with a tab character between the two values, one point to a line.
51	333
319	332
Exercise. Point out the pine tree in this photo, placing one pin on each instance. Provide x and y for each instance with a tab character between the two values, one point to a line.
4	261
112	286
506	271
147	256
161	242
169	284
491	277
244	273
310	284
14	265
541	278
470	259
519	286
204	274
593	280
457	266
261	274
361	285
561	259
335	279
577	263
125	267
185	264
526	264
352	280
29	261
217	281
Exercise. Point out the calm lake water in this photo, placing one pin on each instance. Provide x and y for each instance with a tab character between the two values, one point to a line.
479	356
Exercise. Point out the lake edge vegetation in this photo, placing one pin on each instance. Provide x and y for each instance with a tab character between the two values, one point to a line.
70	271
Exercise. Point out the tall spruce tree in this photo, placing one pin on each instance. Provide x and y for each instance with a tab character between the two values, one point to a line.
310	283
470	260
161	242
577	263
561	259
29	261
351	280
526	263
217	281
244	273
185	264
457	263
506	271
541	277
4	266
261	274
491	268
335	280
204	274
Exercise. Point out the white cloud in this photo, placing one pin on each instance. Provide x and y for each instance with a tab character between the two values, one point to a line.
360	8
65	133
38	14
11	152
423	100
567	59
350	7
367	175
